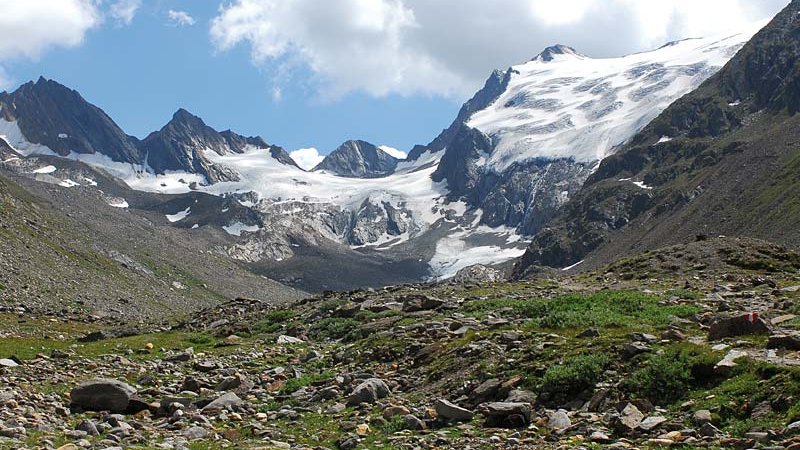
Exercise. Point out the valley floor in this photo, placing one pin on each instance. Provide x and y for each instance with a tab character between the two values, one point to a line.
689	346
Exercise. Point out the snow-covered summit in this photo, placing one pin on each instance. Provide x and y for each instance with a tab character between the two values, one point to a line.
562	104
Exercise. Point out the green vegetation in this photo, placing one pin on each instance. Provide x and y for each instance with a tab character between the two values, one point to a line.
273	321
575	374
599	309
334	328
668	377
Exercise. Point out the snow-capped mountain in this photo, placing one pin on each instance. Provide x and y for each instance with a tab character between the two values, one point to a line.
548	123
516	152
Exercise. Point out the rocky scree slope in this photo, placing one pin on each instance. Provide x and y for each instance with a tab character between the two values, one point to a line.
721	160
640	354
67	251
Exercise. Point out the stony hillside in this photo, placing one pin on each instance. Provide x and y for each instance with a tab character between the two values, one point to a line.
723	159
68	250
689	346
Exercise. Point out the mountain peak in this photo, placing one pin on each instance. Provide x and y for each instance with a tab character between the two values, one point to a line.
358	159
557	51
183	115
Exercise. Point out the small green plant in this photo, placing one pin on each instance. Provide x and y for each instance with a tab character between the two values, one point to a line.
574	375
308	379
273	321
334	328
669	376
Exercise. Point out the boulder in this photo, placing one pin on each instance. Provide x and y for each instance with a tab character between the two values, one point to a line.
225	401
369	392
784	341
628	420
412	303
507	414
102	394
451	412
740	325
559	421
486	391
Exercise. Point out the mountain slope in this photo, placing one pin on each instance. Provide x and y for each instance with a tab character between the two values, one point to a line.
358	159
723	159
66	250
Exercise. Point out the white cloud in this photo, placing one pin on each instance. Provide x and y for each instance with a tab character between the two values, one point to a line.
124	10
399	154
32	26
307	158
180	18
448	47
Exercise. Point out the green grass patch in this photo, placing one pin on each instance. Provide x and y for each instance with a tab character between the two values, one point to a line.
599	309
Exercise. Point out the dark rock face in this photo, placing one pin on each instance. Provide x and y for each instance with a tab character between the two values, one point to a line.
53	115
729	168
495	85
358	159
180	145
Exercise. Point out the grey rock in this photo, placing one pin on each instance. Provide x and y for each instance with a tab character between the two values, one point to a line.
559	421
88	427
369	391
102	394
226	401
628	420
702	416
651	423
451	412
507	415
195	433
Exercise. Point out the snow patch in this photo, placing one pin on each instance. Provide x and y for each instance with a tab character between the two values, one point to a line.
118	203
393	152
236	229
572	266
178	216
68	183
45	169
664	139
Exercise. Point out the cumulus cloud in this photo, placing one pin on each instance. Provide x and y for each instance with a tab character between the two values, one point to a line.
307	158
399	154
448	47
32	26
123	11
180	18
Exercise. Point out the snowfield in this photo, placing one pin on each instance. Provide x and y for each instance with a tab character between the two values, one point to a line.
578	107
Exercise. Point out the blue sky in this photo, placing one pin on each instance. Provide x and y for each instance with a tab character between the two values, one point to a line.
313	73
